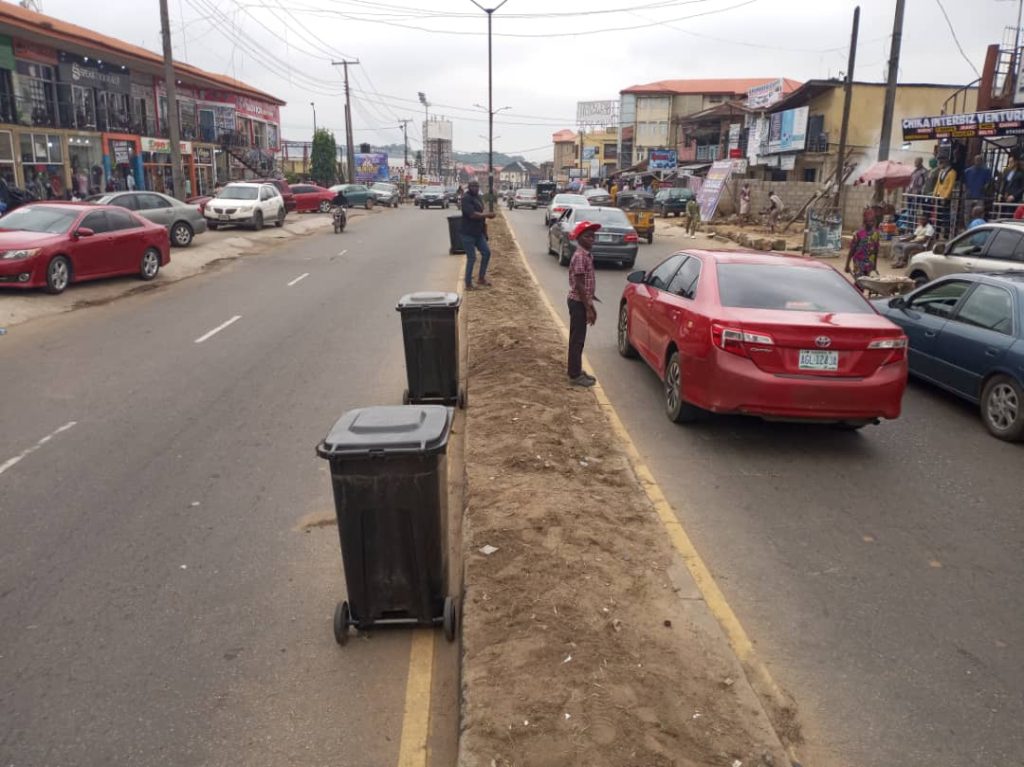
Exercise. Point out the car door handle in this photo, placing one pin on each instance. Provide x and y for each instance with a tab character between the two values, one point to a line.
990	352
930	334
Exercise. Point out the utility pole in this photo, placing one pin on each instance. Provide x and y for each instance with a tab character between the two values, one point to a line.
847	99
171	86
313	104
405	164
890	86
490	105
350	152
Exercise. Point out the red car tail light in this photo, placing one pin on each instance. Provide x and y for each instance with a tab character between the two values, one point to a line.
735	341
558	210
631	237
898	346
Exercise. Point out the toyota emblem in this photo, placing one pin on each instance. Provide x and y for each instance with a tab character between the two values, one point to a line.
823	342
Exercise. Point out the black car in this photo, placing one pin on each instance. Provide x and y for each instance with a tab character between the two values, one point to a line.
433	195
615	242
545	191
672	202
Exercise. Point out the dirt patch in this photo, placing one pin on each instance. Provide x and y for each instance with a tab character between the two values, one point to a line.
583	638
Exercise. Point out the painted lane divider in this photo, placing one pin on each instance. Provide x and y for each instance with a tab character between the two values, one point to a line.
298	279
412	747
219	328
12	461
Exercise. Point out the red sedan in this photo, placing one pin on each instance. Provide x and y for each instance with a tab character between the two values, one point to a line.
310	198
778	337
50	245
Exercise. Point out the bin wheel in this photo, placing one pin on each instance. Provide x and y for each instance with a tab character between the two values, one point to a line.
462	399
342	620
405	397
451	618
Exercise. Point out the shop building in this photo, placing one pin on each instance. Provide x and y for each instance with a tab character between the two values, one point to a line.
82	113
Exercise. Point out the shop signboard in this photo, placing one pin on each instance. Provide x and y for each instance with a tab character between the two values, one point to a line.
734	136
589	153
787	162
787	131
204	155
712	188
40	54
86	75
763	96
662	159
740	167
371	167
993	123
122	151
163	145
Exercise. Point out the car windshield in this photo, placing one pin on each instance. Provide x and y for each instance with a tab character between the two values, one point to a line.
239	193
435	190
793	288
38	218
603	216
570	199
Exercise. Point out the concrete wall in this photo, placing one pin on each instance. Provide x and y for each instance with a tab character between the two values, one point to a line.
794	194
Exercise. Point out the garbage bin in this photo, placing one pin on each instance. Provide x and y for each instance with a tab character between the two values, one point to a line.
455	235
430	330
389	476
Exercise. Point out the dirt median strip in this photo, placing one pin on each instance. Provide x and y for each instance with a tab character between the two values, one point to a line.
585	641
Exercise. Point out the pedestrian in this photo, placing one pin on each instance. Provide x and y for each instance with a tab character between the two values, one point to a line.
744	203
582	285
775	208
692	217
863	255
1013	183
474	234
977	180
977	216
918	177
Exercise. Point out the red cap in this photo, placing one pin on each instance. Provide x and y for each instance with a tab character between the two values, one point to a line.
582	227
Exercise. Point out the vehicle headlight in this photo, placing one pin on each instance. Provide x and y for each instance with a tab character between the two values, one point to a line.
16	255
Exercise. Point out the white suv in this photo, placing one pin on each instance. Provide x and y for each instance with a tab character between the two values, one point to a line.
246	204
994	247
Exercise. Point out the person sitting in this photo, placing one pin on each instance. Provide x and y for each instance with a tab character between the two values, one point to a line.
916	243
977	217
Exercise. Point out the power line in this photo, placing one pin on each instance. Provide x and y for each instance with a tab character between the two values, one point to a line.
956	39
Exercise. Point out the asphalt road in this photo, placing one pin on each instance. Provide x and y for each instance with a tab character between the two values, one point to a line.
161	600
878	573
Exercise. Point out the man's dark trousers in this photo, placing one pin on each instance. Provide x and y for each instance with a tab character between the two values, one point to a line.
577	336
471	243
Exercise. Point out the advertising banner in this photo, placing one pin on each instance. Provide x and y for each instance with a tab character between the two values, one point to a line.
595	168
589	153
824	234
93	77
787	131
371	167
712	188
662	159
597	113
995	122
763	96
163	145
734	136
122	152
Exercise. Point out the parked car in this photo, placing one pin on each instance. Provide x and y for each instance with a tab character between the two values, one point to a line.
615	242
672	202
524	198
52	244
770	336
967	336
290	203
181	220
386	194
246	203
995	247
560	203
415	190
310	198
356	194
200	202
545	191
598	197
433	195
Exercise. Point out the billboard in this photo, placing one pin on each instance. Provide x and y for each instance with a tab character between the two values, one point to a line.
787	131
662	159
763	96
589	153
995	122
436	129
371	167
597	113
712	188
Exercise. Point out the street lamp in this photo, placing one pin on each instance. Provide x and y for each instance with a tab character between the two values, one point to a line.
313	104
490	104
490	143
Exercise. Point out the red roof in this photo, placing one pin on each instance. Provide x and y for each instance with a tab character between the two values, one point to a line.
563	135
734	85
15	18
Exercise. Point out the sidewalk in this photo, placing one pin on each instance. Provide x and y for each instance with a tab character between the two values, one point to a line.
586	640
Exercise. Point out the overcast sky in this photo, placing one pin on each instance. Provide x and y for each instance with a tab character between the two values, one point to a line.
544	58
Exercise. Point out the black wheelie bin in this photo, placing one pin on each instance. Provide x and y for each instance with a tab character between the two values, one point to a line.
455	235
430	331
389	476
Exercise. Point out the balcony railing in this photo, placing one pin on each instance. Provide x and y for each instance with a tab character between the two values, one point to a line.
817	143
65	114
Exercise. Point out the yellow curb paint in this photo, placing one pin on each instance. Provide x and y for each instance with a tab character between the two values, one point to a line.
738	639
412	749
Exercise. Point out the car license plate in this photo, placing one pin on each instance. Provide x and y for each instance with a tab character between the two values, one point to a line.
606	238
224	216
814	359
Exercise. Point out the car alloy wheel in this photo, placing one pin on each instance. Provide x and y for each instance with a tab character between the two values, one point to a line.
58	275
676	408
150	264
1002	408
563	255
625	347
181	234
325	206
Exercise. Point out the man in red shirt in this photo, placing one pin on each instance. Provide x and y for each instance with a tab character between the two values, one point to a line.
582	285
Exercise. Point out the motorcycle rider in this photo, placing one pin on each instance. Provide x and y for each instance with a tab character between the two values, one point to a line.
338	205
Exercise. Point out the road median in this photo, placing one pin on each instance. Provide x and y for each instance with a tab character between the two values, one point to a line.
585	638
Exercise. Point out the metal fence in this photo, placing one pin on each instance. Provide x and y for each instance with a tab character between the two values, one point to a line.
944	214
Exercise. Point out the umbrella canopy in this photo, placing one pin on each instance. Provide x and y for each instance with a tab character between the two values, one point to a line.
890	174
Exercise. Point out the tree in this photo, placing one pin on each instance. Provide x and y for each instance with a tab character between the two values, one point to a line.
323	160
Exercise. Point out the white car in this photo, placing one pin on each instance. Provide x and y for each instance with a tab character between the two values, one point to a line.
246	204
524	198
561	203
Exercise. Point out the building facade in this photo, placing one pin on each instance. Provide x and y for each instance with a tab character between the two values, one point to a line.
597	158
82	113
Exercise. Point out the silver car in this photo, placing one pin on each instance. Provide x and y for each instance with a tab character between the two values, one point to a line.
386	194
182	221
995	247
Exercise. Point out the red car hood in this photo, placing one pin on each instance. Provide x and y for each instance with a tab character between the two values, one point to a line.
14	238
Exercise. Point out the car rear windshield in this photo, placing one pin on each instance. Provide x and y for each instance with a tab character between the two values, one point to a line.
604	216
37	218
570	199
793	288
435	190
526	193
239	193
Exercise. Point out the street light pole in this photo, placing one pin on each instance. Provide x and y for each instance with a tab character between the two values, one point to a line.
313	104
171	86
490	105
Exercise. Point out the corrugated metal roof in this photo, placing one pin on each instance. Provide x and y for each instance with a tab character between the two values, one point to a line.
727	85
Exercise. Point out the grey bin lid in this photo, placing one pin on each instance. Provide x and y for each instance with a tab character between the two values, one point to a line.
388	429
428	300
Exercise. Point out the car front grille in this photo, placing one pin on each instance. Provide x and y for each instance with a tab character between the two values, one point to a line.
229	211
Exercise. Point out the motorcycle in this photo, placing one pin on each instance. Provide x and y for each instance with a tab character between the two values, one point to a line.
339	217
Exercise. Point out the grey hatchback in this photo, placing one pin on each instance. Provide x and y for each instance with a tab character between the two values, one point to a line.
182	221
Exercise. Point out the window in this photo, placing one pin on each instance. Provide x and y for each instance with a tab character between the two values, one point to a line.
119	219
969	244
941	299
83	107
685	282
96	221
265	193
662	275
1005	245
128	201
301	189
151	201
35	93
988	307
41	148
788	288
7	157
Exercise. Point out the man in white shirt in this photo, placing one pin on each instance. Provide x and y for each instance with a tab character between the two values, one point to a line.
908	246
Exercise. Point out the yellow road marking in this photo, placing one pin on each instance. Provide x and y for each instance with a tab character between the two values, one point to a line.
757	672
412	749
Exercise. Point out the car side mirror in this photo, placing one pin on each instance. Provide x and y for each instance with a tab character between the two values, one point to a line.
636	277
84	231
939	249
898	303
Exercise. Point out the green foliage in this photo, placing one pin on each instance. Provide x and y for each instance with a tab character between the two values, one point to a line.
323	163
